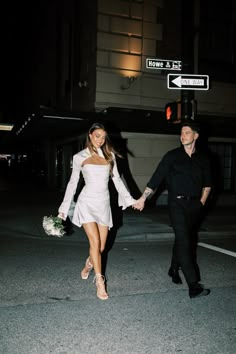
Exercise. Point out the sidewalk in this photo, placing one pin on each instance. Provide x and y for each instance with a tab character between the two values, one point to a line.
22	210
154	223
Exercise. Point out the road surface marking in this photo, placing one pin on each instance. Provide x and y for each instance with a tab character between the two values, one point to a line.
218	249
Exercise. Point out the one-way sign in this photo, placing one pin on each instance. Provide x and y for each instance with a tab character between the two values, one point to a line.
187	82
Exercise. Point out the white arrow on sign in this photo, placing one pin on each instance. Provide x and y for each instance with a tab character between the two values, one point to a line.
179	81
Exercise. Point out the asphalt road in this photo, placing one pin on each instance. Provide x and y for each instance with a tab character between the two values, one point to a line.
46	308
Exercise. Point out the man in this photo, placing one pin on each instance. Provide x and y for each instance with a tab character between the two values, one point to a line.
187	176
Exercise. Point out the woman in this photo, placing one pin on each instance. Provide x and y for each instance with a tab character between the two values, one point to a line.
97	163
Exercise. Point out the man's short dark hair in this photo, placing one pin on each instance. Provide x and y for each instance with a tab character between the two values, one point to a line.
191	124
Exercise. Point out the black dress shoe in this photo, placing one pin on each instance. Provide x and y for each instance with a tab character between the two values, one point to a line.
174	274
198	291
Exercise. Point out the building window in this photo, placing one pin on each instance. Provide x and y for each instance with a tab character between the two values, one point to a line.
222	166
217	49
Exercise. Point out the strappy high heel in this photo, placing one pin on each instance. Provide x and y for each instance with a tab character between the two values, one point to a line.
85	273
99	279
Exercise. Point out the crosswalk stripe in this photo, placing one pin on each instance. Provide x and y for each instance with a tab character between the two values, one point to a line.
218	249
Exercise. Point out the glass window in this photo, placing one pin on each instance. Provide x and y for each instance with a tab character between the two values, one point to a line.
222	158
217	49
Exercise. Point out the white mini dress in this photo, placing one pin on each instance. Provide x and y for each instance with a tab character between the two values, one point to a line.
93	203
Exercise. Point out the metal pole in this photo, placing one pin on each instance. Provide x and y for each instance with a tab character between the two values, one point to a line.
187	96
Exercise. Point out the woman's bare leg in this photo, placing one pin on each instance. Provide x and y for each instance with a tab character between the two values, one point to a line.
103	232
97	235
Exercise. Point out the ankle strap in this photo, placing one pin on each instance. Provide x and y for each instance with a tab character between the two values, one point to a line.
98	276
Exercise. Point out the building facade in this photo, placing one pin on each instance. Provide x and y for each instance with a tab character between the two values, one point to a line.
92	57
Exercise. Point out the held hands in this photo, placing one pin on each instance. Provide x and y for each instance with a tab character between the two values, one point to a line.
139	205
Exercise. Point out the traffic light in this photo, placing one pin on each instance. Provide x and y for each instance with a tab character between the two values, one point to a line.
173	112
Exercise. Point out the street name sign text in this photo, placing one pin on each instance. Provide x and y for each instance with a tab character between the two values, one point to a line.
163	64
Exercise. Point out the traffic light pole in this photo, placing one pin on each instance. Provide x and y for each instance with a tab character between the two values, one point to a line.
187	96
187	104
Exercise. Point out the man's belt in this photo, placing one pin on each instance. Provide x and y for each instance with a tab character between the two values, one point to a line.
186	197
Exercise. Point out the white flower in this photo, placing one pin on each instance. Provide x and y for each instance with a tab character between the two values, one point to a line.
53	226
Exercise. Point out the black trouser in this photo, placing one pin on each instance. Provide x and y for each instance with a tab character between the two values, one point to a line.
185	216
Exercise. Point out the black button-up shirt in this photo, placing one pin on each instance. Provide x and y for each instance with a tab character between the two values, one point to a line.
184	175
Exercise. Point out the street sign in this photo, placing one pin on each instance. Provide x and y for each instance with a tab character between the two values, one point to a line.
187	82
163	64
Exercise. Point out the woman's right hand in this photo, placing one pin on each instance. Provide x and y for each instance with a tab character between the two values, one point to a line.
61	216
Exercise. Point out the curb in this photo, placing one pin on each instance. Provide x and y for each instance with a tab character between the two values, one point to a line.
135	237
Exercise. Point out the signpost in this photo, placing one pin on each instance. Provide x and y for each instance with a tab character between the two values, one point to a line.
163	64
187	82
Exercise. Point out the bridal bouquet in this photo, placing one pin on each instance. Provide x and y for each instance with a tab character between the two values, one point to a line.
53	226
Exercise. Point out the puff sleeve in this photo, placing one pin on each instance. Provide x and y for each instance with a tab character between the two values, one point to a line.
124	198
71	186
